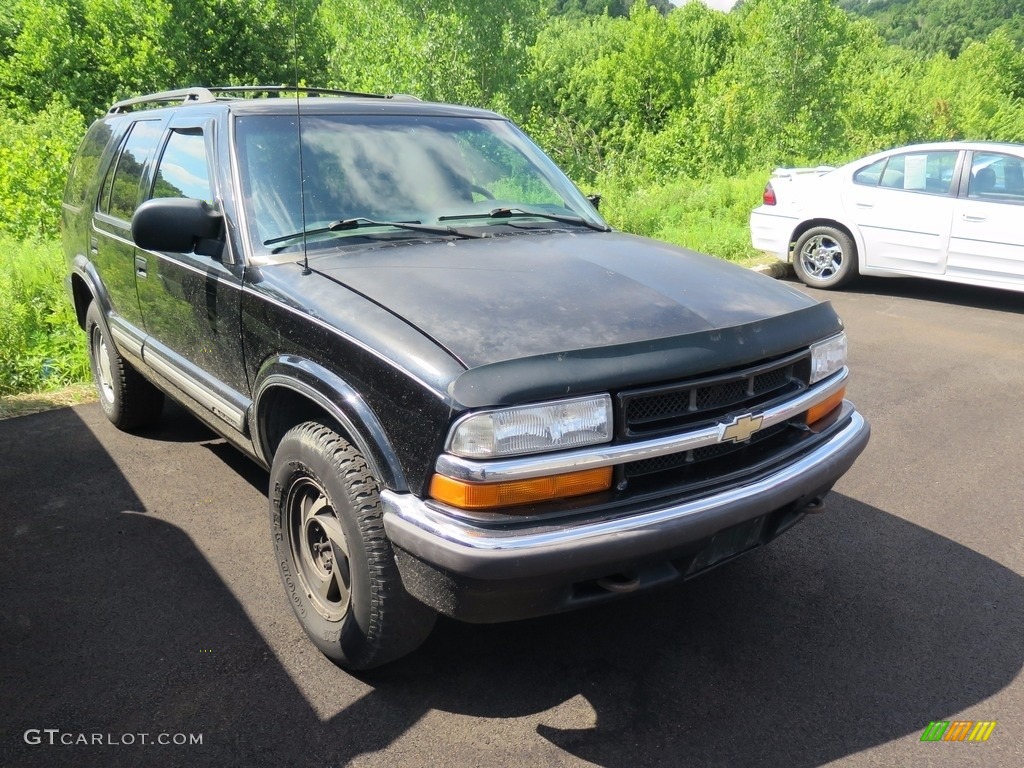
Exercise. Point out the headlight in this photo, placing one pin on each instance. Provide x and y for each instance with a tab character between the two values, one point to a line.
533	428
827	357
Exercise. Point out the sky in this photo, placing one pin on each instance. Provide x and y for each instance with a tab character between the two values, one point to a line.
721	5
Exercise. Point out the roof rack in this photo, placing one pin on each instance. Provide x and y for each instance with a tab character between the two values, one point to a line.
200	95
182	96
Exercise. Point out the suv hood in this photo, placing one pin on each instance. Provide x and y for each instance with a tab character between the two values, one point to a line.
515	296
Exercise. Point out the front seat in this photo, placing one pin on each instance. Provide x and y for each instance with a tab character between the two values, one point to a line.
983	183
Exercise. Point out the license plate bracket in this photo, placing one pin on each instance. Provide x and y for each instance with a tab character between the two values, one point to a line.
727	544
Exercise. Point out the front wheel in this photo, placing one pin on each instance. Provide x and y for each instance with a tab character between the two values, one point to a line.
334	557
825	257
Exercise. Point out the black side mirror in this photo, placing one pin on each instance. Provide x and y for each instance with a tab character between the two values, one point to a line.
178	225
595	200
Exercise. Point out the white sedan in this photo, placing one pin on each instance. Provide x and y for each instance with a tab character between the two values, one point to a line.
950	211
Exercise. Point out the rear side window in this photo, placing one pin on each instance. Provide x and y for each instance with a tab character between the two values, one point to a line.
871	174
183	169
122	187
930	172
86	164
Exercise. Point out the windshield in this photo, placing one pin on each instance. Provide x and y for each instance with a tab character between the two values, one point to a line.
418	170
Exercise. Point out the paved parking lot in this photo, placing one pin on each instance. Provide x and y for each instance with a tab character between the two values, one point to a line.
139	597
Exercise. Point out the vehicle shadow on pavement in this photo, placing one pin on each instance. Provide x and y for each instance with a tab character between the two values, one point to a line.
854	629
937	291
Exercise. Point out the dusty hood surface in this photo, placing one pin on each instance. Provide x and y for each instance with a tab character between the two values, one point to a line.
504	298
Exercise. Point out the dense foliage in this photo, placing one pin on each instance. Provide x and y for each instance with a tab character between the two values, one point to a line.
676	115
931	26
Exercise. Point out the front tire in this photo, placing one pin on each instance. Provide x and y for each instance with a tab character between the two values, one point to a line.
128	400
825	257
334	557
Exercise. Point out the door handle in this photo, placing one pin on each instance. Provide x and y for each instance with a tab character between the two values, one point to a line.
94	245
140	266
865	205
969	217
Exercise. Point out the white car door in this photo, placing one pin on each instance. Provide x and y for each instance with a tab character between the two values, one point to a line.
903	206
986	245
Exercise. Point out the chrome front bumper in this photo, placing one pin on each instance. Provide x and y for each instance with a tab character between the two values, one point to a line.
556	552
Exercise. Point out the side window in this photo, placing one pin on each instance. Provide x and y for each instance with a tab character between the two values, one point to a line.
86	164
996	176
183	169
870	175
930	172
122	185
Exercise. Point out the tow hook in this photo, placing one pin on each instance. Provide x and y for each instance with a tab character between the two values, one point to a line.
815	506
619	582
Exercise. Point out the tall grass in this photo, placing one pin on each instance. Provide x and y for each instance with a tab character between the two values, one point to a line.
708	215
41	346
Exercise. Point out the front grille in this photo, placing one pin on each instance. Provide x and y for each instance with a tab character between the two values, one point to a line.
673	407
677	461
699	403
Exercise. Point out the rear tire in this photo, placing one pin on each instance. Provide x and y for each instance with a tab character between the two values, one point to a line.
335	560
825	257
128	400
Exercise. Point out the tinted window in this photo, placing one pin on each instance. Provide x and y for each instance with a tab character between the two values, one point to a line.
183	170
121	190
996	176
86	163
921	172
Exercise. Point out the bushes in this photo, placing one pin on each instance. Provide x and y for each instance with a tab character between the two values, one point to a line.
708	215
35	153
41	345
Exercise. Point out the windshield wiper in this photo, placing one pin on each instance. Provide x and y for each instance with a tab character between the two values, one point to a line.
360	221
508	213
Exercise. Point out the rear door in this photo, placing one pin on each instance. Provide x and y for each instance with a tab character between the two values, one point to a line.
191	301
987	240
110	242
903	206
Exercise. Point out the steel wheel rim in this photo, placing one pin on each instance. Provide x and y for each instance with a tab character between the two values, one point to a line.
319	549
101	365
821	257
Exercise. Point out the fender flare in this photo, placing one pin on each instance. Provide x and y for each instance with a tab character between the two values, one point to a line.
340	400
85	270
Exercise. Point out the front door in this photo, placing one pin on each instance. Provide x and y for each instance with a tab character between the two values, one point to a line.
987	241
191	302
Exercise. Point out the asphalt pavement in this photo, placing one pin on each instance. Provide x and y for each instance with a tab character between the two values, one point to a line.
139	602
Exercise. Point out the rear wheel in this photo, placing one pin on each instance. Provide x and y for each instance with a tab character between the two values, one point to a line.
335	560
825	257
128	399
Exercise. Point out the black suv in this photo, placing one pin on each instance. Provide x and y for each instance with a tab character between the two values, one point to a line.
472	395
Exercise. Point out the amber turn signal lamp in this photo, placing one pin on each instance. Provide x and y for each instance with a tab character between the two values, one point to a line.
509	494
826	406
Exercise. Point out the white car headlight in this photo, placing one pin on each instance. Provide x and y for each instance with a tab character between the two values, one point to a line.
533	428
827	357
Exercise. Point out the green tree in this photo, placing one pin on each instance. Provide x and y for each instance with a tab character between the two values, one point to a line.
451	50
34	157
779	98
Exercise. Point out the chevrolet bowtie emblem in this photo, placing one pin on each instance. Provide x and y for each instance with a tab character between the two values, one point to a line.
739	429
